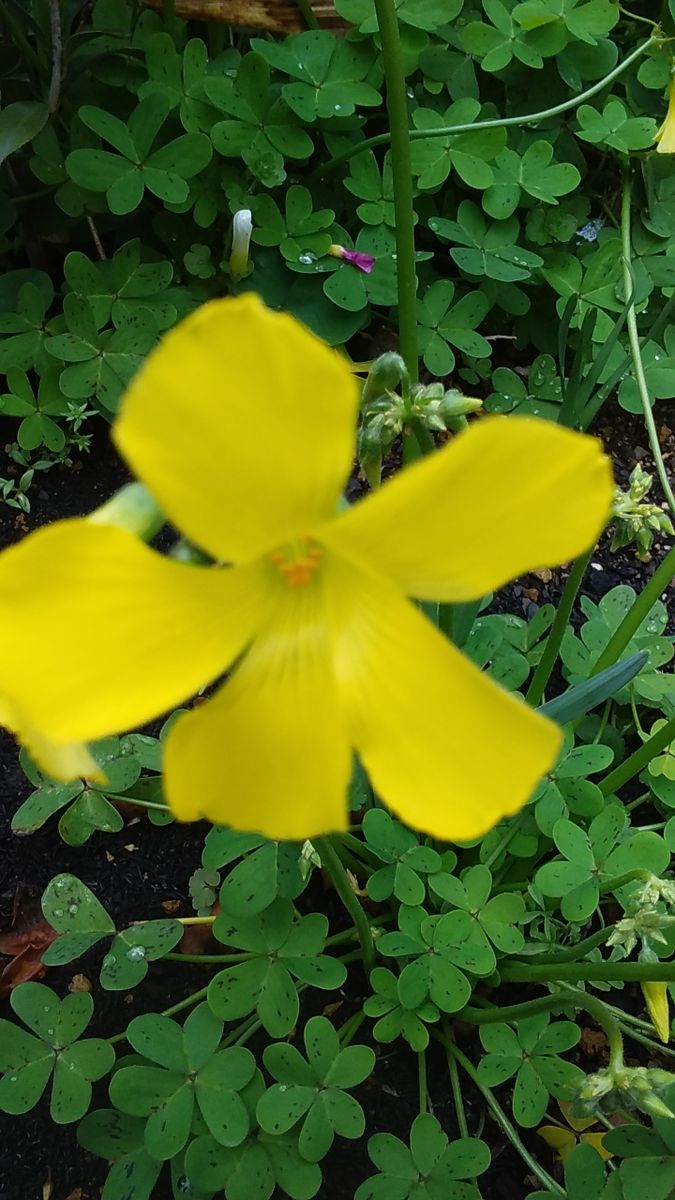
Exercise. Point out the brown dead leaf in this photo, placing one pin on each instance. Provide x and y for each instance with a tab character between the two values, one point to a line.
593	1042
48	1187
76	1194
130	847
195	939
24	943
109	857
80	983
531	593
171	906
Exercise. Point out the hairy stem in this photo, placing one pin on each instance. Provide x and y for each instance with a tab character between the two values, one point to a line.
333	866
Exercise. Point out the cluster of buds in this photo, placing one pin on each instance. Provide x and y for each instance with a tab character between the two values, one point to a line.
389	404
636	520
622	1087
645	923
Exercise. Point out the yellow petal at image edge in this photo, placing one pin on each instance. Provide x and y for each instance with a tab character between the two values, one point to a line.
242	425
269	753
67	761
509	495
106	634
450	752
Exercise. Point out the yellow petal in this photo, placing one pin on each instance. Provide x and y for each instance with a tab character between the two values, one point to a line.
106	634
269	753
241	423
448	750
596	1140
509	495
656	997
665	136
70	760
561	1140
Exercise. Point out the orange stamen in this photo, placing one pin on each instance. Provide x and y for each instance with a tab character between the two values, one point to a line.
297	562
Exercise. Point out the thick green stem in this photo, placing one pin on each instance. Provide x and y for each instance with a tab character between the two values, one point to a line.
628	972
641	758
494	123
499	1115
596	1008
574	953
549	658
397	107
644	603
634	342
333	866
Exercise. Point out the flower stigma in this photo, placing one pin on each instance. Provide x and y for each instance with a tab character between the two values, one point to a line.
298	561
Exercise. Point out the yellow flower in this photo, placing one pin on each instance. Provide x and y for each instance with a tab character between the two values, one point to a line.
656	997
665	136
241	424
563	1140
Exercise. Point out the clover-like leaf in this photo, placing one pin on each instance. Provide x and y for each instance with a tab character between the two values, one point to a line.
311	1089
53	1048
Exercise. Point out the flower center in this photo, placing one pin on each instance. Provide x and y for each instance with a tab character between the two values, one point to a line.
298	561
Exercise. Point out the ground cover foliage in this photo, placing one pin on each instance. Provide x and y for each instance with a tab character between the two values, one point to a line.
545	254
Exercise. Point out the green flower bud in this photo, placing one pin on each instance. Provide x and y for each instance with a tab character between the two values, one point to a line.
131	508
371	446
386	374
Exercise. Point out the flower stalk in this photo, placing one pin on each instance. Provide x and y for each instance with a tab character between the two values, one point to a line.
334	868
397	107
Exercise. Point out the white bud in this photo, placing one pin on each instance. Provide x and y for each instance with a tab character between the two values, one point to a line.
242	226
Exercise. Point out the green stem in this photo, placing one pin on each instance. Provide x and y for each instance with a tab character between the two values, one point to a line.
640	758
643	605
351	1027
397	107
629	972
619	881
422	1080
596	1008
511	1012
188	1002
333	867
457	1097
574	953
499	1115
549	657
495	123
115	798
634	342
206	959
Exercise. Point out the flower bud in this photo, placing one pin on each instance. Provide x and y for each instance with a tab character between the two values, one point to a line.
384	377
131	508
357	258
242	226
371	452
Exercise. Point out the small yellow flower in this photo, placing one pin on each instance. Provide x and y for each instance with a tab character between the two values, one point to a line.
656	998
562	1140
666	134
241	424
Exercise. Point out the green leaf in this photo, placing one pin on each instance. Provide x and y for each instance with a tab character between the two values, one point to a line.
20	122
126	963
77	915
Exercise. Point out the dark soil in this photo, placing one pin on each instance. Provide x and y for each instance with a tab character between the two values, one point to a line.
135	871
